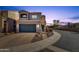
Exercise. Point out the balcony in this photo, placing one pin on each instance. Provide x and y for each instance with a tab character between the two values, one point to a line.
29	21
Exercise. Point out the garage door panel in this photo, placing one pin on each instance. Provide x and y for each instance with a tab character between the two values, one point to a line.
27	28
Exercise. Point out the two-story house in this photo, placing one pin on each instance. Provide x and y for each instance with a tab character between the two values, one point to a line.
30	21
22	21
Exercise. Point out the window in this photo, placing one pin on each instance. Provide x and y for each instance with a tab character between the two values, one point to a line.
23	15
37	26
34	16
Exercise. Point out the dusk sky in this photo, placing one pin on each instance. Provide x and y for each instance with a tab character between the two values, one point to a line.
62	13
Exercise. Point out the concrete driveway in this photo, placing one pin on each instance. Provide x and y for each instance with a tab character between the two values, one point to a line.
68	41
16	39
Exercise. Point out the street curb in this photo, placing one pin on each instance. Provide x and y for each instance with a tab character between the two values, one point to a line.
36	46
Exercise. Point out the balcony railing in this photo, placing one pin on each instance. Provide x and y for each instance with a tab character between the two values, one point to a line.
29	21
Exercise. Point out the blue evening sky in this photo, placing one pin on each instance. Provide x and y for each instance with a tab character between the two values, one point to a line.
62	13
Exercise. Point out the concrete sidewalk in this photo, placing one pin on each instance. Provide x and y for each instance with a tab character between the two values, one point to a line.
36	46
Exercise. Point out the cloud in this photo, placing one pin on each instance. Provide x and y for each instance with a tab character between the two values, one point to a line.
74	18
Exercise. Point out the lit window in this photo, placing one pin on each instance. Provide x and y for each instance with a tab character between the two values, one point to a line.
23	16
37	26
34	16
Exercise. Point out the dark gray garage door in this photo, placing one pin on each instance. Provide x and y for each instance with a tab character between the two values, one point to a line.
27	28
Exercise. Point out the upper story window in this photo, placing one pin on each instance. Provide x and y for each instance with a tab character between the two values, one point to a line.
23	15
34	17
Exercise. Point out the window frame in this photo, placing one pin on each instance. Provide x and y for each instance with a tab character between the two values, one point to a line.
21	16
34	17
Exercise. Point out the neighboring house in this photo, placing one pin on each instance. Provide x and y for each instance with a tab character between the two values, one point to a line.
22	21
9	21
56	22
74	25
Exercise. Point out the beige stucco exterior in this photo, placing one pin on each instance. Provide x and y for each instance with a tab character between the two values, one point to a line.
3	16
30	21
15	15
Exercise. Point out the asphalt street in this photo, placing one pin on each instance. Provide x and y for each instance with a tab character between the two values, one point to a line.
68	41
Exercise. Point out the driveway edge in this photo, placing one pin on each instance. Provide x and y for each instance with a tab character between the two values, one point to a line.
36	46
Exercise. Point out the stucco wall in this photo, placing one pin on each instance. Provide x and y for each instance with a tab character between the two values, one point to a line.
13	15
